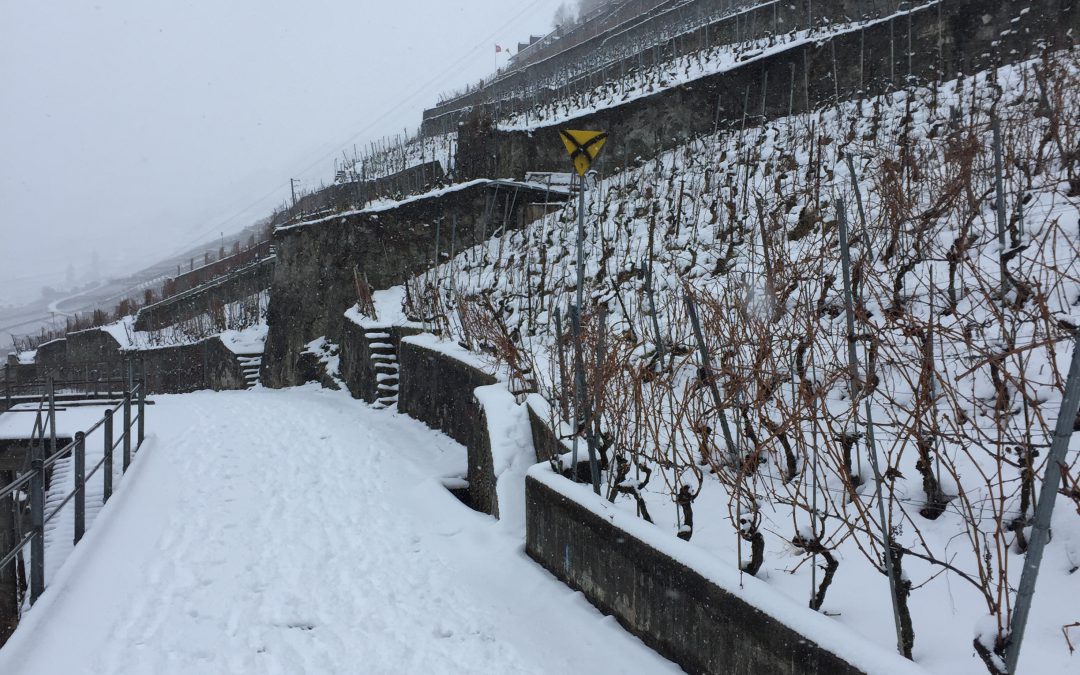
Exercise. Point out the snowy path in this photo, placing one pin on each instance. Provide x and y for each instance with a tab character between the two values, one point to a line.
302	532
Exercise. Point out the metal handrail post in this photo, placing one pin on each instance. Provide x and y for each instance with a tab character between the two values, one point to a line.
108	456
52	415
127	430
142	406
80	485
37	520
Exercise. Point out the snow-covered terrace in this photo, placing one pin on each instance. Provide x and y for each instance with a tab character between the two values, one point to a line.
301	531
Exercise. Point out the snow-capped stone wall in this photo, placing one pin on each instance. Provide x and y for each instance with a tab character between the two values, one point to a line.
679	602
438	389
934	40
314	279
96	353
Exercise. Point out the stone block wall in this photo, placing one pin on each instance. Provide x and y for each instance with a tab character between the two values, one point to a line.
91	355
16	373
92	346
208	364
51	355
646	41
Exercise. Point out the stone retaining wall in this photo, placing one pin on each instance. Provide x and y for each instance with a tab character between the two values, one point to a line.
208	364
437	389
238	285
94	354
314	276
642	43
945	38
672	607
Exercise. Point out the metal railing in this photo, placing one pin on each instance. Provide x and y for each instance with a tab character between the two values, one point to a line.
70	381
33	481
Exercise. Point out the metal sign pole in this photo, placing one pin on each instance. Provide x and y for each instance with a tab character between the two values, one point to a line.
583	147
579	374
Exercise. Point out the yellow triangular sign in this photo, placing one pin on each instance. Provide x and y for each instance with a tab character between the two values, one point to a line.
583	147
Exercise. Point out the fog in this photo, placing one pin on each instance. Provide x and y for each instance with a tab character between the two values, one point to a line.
132	129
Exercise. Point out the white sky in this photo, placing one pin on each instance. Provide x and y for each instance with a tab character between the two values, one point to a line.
141	127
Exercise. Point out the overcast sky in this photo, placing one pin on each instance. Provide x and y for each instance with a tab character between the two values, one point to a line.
141	127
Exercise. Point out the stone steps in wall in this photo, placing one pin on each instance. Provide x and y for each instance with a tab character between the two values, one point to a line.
250	365
384	361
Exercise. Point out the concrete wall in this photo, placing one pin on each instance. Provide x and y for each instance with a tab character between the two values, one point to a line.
673	608
313	278
437	389
545	443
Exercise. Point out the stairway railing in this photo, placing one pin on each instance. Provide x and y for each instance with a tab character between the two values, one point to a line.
32	484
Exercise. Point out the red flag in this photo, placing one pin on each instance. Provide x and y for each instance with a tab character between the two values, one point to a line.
498	49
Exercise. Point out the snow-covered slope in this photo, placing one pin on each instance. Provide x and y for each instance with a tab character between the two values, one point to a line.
963	384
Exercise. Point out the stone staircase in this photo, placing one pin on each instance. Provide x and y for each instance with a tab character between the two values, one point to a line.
384	358
250	364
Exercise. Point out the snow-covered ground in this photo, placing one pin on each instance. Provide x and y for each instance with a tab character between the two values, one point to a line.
301	531
250	340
